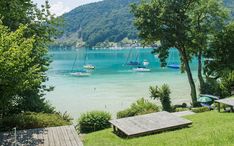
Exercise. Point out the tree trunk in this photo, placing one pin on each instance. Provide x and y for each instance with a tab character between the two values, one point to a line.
201	80
190	77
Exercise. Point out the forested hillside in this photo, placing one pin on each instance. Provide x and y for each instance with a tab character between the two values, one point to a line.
105	21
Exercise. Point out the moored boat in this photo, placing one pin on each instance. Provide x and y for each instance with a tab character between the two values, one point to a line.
89	66
141	69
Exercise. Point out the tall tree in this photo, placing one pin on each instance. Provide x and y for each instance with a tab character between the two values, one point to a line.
17	73
221	51
169	22
208	17
41	25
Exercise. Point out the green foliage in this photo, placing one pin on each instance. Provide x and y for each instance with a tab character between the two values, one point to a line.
163	94
181	109
212	87
221	87
25	32
200	109
31	120
221	51
141	107
93	121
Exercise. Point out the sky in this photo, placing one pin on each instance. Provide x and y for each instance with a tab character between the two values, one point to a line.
59	7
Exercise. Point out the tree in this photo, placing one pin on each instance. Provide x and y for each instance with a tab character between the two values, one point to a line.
221	51
163	94
18	72
221	67
208	17
169	22
42	27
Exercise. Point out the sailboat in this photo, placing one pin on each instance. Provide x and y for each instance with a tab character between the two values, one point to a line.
86	65
80	72
172	62
132	62
141	69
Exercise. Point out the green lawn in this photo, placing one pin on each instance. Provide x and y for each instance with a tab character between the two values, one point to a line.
209	128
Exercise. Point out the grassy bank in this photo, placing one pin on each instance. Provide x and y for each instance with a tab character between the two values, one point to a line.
209	128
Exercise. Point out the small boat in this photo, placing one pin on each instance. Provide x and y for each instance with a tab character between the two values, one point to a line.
173	60
174	66
133	63
81	73
141	69
145	62
89	66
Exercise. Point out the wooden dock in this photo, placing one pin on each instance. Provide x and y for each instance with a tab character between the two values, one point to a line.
149	123
52	136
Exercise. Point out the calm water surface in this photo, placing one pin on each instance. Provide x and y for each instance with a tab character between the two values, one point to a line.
112	86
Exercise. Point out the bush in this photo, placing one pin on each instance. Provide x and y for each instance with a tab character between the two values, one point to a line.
200	109
93	121
163	94
31	120
141	107
181	109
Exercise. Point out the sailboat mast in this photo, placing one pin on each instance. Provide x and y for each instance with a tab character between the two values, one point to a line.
74	62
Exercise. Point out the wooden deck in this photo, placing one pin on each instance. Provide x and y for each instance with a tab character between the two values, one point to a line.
149	123
53	136
226	101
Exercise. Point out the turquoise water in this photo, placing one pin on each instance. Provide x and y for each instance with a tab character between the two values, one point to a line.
112	86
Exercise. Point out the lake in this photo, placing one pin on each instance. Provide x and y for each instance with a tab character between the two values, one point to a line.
113	86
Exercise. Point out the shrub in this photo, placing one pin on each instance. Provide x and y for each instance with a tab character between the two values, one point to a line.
163	94
31	120
93	121
141	107
181	109
200	109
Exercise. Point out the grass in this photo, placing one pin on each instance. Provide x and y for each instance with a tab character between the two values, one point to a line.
208	128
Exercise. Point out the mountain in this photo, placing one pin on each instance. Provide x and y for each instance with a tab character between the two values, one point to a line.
102	22
108	20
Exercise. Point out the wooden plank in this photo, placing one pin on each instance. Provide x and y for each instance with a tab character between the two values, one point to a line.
60	136
55	136
67	140
50	137
149	123
76	137
227	101
70	135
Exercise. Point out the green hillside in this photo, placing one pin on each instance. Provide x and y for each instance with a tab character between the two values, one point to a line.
105	21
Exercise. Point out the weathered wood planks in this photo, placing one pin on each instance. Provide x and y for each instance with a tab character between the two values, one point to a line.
227	101
149	123
52	136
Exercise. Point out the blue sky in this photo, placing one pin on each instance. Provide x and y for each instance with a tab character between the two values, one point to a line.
59	7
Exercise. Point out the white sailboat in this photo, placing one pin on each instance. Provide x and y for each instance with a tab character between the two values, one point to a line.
86	65
79	73
141	69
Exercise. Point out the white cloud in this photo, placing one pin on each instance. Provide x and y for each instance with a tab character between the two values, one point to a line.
59	8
